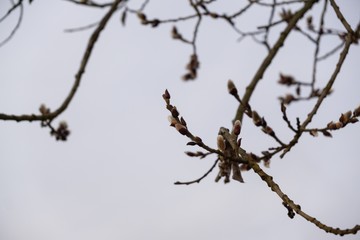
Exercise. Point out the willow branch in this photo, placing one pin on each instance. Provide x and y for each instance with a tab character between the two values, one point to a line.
295	207
272	53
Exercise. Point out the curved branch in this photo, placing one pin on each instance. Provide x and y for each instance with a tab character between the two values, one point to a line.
324	93
17	26
94	37
290	203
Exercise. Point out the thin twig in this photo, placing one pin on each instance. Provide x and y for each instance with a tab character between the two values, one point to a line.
17	26
93	38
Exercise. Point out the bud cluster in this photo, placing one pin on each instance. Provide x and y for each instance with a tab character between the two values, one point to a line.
62	132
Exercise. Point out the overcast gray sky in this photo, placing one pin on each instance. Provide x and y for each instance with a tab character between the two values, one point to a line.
113	178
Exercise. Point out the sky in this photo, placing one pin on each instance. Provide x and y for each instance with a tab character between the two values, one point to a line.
113	178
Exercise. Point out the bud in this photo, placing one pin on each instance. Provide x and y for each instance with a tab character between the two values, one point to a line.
197	139
237	127
221	143
166	95
172	121
344	118
357	112
339	125
181	129
331	125
44	110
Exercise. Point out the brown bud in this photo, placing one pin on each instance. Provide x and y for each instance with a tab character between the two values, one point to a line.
174	112
326	133
214	15
357	112
166	95
314	133
44	110
197	139
237	127
155	23
182	120
256	119
268	130
353	120
221	143
344	118
286	80
175	34
339	125
142	17
190	154
331	125
172	121
231	87
181	129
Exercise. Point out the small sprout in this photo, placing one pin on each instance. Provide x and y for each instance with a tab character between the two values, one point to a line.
181	129
237	128
221	143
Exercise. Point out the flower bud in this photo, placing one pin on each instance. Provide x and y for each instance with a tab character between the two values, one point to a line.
231	87
237	127
221	143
